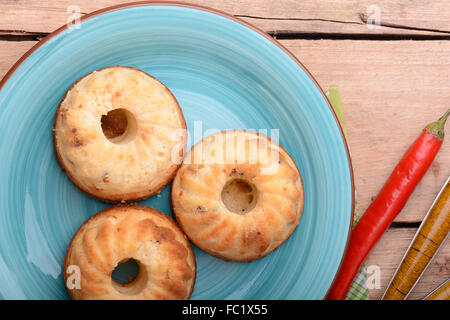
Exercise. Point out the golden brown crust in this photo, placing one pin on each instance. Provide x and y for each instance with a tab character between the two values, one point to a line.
128	197
131	228
255	239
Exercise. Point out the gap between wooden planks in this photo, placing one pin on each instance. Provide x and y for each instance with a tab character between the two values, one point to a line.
286	16
390	91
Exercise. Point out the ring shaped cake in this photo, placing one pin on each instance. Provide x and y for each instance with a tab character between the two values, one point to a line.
119	134
238	195
115	235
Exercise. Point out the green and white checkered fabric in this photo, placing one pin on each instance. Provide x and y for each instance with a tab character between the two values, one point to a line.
358	289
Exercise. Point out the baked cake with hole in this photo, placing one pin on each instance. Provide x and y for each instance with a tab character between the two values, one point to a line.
119	134
115	235
238	195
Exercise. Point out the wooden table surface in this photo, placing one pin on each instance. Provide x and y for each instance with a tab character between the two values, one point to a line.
393	79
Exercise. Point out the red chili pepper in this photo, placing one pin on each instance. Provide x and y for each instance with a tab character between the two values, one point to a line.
388	203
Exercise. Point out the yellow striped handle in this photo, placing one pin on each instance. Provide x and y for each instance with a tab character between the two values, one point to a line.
440	293
426	242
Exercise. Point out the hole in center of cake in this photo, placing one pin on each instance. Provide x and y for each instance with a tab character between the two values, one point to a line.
239	196
119	125
129	276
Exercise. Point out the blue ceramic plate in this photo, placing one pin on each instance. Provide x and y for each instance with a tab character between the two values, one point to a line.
225	74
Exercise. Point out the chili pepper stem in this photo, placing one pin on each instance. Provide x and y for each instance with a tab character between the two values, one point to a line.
436	128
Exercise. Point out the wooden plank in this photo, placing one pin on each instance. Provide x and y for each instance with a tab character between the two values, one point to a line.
388	253
331	17
10	52
390	90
